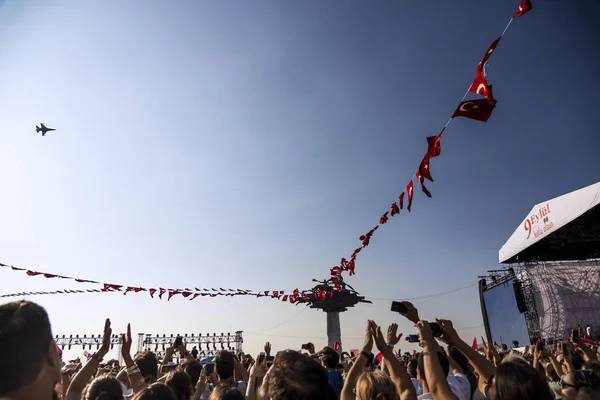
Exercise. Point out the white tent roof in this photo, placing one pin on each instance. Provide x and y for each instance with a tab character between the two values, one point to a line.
547	217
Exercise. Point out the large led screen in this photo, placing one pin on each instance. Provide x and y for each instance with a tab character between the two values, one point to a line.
506	323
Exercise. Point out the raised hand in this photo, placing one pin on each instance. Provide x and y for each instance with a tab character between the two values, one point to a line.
411	312
259	370
375	331
425	331
450	336
392	339
126	342
105	339
368	344
268	349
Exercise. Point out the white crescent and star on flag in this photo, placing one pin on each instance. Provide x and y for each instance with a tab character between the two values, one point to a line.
463	106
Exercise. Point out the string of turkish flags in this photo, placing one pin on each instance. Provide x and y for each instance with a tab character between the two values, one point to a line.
478	109
295	296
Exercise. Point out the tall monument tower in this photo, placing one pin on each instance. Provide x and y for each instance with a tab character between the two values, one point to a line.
333	303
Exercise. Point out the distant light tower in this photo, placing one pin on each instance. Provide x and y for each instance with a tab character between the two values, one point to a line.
333	303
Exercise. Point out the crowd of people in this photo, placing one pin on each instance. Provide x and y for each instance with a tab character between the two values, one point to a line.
446	368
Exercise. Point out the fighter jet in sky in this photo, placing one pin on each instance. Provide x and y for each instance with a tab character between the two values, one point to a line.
43	129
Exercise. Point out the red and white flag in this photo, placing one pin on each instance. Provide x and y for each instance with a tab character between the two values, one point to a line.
474	345
409	191
486	57
481	87
524	7
480	110
433	145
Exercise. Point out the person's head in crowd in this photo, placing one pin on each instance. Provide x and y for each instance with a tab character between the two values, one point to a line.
225	392
194	370
421	368
156	391
592	365
573	382
179	382
104	388
411	367
376	385
224	365
587	394
515	358
296	376
29	361
148	365
517	380
329	358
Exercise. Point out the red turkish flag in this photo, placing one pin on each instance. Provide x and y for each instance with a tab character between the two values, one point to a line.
524	7
33	273
384	218
160	293
401	200
409	190
424	168
152	291
481	87
172	293
395	209
423	188
474	345
486	57
433	145
480	110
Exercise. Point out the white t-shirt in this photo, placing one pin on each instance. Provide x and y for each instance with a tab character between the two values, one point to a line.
459	384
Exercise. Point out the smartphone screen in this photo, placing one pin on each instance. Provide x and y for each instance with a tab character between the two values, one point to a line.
270	361
435	328
209	368
398	307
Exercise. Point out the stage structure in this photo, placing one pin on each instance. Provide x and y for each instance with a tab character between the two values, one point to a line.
333	305
93	342
555	254
207	344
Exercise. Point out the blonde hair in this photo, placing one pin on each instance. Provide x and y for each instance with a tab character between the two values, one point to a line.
376	386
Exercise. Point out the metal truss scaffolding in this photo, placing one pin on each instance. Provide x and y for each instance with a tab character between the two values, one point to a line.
207	345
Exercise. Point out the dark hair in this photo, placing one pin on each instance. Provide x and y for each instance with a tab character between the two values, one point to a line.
25	334
443	362
194	370
104	388
586	393
411	366
519	381
296	376
226	392
224	364
459	358
148	365
156	391
593	365
179	382
330	357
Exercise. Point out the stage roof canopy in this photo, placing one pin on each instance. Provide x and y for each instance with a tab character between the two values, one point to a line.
564	228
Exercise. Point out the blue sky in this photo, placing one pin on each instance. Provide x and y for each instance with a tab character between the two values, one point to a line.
250	144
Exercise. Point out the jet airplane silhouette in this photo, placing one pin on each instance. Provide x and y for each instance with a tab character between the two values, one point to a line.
42	128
